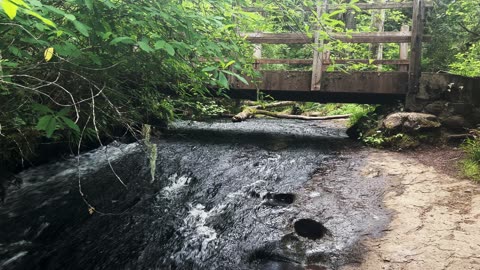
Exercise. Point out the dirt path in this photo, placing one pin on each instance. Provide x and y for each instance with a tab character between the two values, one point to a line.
435	221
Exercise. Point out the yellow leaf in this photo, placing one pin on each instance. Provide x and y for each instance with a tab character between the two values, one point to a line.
9	8
48	54
91	210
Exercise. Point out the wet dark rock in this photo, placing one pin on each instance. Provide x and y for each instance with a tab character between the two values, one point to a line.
276	265
279	198
461	108
310	229
454	122
436	107
284	198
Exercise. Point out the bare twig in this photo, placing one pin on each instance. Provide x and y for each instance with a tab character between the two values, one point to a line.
100	141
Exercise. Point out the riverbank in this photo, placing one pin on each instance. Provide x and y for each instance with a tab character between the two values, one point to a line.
435	213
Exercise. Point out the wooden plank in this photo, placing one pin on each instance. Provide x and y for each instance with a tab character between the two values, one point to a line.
263	61
301	38
332	82
374	37
404	50
317	62
388	5
284	61
257	54
414	71
327	62
363	6
366	82
277	38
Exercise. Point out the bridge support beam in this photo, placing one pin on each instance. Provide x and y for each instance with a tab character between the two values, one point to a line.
317	54
414	71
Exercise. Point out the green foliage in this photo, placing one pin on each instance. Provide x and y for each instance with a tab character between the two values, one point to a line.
472	149
357	111
470	169
199	108
108	64
454	27
470	166
467	63
51	121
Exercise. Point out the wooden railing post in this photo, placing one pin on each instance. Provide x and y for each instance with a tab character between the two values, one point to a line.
257	54
404	50
414	71
317	54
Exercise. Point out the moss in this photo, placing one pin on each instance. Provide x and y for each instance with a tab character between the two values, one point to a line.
404	141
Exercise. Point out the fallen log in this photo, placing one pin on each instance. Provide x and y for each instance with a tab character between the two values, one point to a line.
249	112
301	117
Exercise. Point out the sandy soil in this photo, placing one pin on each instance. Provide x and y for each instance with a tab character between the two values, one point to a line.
435	215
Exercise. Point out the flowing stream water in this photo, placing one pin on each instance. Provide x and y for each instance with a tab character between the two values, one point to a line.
261	194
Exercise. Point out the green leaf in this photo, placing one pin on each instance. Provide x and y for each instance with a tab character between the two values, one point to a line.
63	111
35	3
48	123
169	49
89	4
15	51
162	44
51	127
43	122
82	28
20	3
70	123
126	40
10	64
159	44
9	8
55	10
230	63
41	108
41	18
143	44
242	79
222	80
70	17
208	69
68	50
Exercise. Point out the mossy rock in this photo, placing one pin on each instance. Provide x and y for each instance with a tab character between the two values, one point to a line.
410	122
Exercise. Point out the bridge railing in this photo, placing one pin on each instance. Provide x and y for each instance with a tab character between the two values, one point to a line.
406	37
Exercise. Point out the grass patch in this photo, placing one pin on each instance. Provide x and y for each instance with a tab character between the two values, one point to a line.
470	166
356	110
470	169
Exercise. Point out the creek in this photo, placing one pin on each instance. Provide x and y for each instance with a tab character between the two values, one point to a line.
261	194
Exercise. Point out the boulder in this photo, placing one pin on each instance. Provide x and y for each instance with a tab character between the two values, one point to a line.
454	122
461	108
436	107
410	122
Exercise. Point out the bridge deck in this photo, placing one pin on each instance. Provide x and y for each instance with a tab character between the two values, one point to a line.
361	87
356	87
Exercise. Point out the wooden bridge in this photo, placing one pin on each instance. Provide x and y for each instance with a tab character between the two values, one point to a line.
322	86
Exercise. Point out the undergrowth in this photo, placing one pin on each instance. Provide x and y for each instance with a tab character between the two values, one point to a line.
357	111
471	164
